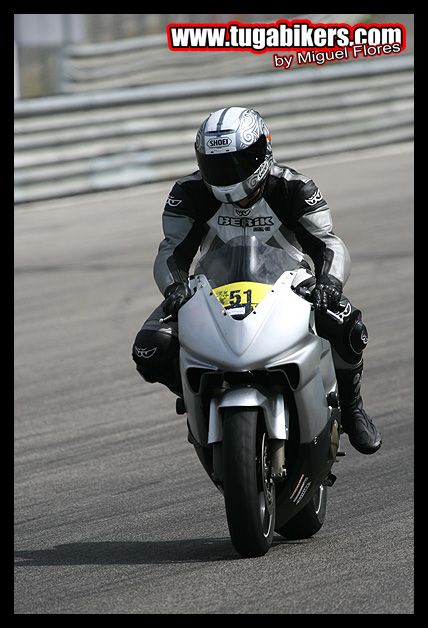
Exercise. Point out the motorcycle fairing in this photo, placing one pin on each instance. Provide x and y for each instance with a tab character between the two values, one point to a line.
211	339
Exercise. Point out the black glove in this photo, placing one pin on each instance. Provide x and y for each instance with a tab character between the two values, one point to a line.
327	293
176	295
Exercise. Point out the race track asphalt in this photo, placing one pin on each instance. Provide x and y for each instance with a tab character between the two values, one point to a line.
113	512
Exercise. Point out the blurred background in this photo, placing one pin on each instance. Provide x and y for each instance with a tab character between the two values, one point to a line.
102	103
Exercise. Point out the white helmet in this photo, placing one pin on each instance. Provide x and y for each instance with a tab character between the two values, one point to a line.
234	153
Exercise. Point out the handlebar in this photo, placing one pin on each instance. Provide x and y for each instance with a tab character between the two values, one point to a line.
307	294
303	292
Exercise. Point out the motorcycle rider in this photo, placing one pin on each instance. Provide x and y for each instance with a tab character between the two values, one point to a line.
239	188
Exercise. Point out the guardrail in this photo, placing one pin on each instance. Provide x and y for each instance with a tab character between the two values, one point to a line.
147	59
75	144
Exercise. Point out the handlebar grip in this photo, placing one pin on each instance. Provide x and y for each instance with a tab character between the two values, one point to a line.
306	294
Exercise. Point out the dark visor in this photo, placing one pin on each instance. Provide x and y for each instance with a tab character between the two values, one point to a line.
229	168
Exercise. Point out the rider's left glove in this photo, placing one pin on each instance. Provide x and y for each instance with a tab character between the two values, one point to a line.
327	293
176	295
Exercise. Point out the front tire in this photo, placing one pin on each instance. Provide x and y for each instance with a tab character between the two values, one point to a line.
309	520
249	492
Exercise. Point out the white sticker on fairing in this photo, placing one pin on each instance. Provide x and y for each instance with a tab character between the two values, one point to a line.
235	311
301	487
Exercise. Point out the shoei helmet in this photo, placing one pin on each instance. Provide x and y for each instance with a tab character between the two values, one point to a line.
234	153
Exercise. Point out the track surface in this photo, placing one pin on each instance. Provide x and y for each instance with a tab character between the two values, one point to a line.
114	513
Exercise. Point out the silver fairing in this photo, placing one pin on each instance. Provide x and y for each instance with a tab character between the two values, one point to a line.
279	331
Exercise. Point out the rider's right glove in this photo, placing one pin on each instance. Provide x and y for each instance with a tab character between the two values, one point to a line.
176	295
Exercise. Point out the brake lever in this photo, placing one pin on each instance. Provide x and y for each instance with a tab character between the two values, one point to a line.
166	319
306	294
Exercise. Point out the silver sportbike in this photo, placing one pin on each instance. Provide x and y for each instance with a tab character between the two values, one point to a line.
260	392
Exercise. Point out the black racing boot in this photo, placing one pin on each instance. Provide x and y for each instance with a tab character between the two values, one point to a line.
361	430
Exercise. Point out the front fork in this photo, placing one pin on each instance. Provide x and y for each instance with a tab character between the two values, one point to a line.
276	417
276	455
273	461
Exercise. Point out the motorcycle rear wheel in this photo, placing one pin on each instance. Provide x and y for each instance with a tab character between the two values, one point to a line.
309	520
249	492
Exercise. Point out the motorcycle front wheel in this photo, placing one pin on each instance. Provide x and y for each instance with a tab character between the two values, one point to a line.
249	492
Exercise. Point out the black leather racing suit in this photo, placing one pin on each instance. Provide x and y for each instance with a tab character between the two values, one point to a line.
291	214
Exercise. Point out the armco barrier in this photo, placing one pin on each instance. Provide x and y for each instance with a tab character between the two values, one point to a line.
95	141
147	60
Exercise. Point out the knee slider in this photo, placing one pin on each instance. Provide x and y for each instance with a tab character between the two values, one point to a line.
154	348
358	336
348	339
156	354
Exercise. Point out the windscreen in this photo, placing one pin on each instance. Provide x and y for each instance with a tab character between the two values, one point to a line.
242	271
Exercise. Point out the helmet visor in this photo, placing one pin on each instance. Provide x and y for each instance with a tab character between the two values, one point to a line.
229	168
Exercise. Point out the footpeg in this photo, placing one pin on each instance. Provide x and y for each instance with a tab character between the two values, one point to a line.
330	480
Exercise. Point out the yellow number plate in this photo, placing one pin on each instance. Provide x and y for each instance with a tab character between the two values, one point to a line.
241	294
